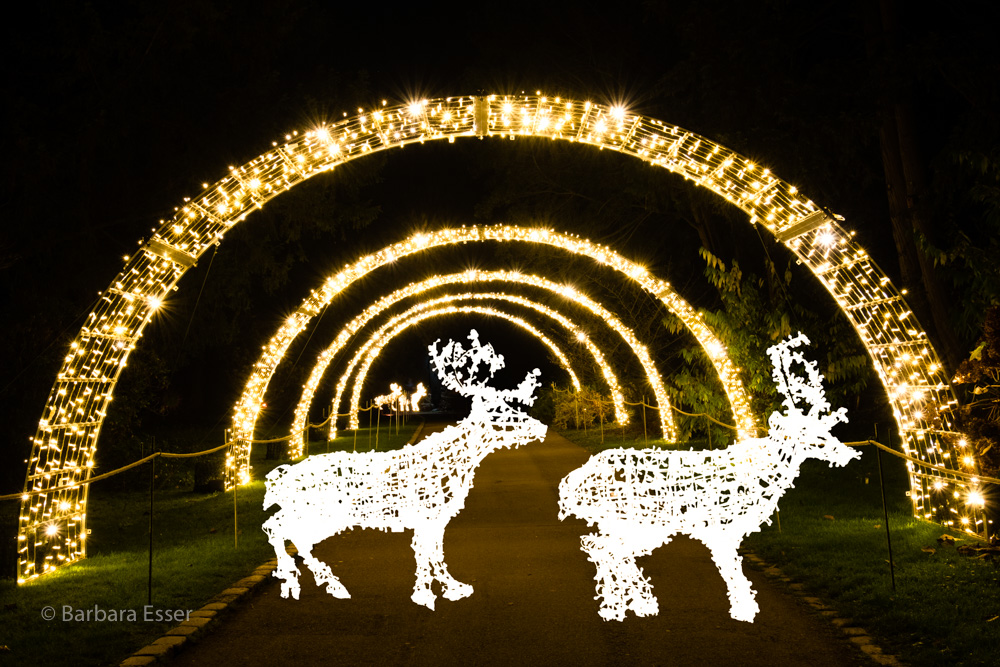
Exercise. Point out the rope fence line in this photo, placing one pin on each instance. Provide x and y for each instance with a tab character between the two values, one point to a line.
175	455
924	464
169	455
97	478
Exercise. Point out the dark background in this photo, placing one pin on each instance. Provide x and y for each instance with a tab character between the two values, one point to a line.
116	111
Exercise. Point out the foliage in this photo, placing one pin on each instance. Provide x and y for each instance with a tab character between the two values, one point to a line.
758	311
137	398
979	417
580	409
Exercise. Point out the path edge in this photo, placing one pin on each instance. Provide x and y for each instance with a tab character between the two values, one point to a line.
855	634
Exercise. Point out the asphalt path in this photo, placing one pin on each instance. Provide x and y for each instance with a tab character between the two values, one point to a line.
533	601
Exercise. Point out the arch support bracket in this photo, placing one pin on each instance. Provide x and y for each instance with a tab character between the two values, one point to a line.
803	225
170	253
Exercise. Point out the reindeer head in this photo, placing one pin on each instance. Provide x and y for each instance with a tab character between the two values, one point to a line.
808	430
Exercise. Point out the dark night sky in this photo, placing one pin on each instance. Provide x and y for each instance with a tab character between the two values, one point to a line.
114	114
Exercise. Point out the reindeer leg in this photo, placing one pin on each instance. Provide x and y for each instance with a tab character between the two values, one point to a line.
742	602
321	571
452	588
423	551
620	583
286	571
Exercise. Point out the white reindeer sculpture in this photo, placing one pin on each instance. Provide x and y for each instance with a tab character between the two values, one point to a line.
640	499
421	486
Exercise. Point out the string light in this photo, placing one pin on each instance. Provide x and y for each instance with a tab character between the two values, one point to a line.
65	442
417	396
346	334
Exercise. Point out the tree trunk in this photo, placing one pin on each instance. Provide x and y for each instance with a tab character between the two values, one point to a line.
906	180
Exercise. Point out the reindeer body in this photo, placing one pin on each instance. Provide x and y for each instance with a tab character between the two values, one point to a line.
640	499
420	487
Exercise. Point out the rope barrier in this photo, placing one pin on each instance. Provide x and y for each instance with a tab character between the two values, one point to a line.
924	464
97	478
169	455
178	455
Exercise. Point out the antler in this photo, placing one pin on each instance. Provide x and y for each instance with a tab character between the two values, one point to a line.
459	368
798	389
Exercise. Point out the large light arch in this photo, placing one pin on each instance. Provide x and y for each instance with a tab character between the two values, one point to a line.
327	356
52	522
252	398
621	415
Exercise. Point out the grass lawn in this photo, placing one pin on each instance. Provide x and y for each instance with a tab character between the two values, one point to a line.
194	558
945	609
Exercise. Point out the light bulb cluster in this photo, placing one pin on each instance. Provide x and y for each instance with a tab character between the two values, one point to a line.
64	445
328	355
394	399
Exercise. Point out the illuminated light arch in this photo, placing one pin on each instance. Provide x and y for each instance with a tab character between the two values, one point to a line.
252	398
621	415
380	339
52	522
326	357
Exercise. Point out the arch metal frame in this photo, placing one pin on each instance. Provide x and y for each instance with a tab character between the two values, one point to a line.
52	521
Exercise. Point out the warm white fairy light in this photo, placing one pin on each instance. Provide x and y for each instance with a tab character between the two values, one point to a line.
393	399
65	442
373	346
327	356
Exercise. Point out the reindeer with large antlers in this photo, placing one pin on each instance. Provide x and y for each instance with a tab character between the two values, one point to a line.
421	486
640	499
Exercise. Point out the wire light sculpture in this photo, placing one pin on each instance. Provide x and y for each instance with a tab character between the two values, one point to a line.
422	486
640	499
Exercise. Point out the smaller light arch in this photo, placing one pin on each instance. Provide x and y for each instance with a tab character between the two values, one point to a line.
609	376
250	401
377	342
327	356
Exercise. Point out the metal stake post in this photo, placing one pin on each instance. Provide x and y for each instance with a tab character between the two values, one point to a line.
885	510
645	440
152	476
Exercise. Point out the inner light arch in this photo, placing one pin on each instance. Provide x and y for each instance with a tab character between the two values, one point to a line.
252	398
568	292
52	521
376	343
621	416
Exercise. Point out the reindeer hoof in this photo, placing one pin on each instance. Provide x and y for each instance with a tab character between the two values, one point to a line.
424	597
290	587
609	614
457	591
746	612
337	590
645	607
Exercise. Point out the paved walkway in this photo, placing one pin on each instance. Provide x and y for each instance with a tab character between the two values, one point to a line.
533	601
